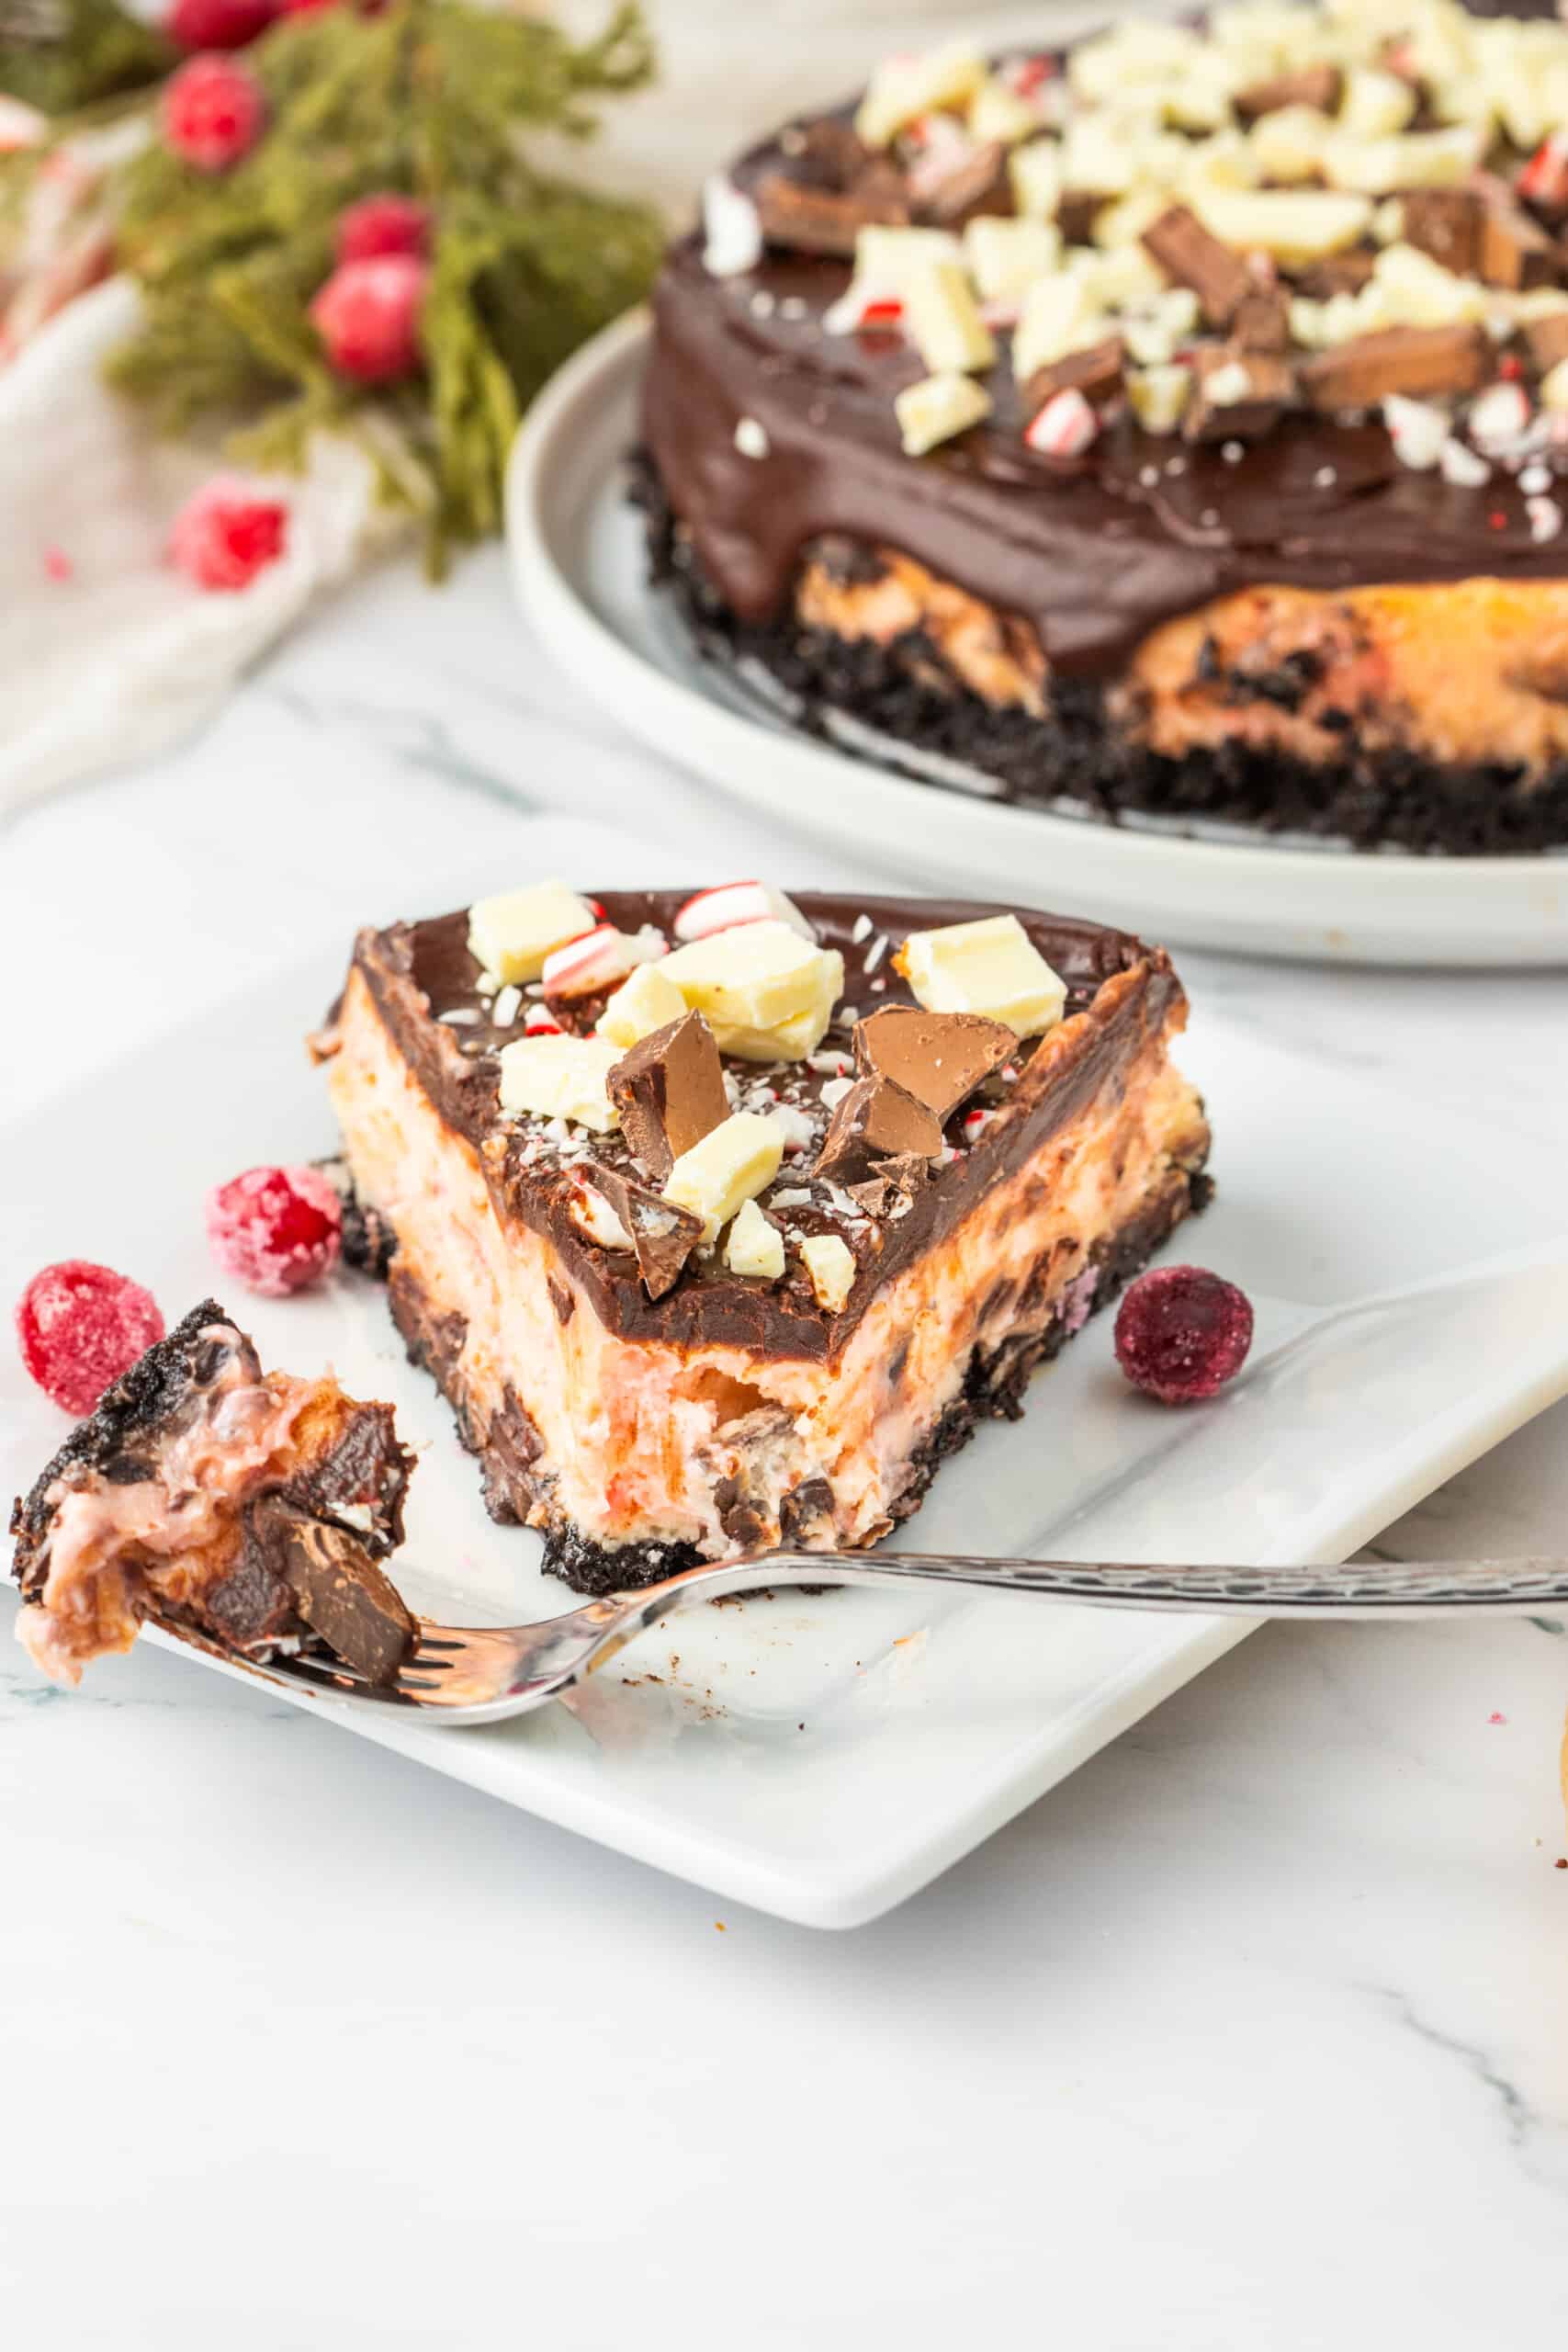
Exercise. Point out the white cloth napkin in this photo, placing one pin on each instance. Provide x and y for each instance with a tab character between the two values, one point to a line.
107	653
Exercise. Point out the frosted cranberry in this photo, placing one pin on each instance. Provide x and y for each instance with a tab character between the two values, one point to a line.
80	1326
1182	1332
225	534
212	113
217	24
383	224
274	1230
368	316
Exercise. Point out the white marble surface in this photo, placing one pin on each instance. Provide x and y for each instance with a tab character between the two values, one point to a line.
1249	2036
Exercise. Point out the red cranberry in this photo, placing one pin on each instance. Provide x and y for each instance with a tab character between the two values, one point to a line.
1182	1332
212	112
274	1230
80	1326
368	316
224	534
383	224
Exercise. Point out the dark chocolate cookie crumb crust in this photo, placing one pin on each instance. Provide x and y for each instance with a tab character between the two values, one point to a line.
1386	799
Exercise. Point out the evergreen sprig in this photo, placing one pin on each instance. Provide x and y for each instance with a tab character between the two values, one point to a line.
432	100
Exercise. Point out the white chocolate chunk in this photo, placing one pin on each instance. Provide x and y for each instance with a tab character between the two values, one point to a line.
733	229
887	258
1170	320
642	1004
991	967
1375	104
1005	257
1422	159
1287	144
766	993
754	1247
1295	225
830	1264
731	1164
903	88
511	933
1408	288
1035	172
1554	389
996	113
560	1077
936	407
1159	395
1059	315
940	313
1417	429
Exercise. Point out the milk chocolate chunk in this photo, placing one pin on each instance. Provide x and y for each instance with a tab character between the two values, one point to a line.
894	1182
978	183
1262	321
669	1092
662	1235
829	153
338	1588
939	1057
1314	86
1097	372
876	1120
1417	360
1546	340
1514	251
1336	273
1237	395
1446	224
1190	255
825	220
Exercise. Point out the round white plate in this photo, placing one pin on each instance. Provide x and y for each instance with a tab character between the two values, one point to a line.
577	553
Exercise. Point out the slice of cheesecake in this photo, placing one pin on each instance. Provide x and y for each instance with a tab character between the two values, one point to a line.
720	1237
249	1510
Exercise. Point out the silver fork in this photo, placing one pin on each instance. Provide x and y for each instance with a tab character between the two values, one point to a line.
480	1674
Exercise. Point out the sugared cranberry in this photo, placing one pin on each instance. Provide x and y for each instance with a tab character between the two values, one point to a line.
225	534
1182	1332
368	316
383	224
212	113
80	1326
274	1230
217	24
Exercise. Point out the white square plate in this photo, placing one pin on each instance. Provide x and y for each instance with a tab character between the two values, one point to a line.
822	1758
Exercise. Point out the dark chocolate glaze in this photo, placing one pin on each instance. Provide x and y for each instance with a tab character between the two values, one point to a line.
1126	992
1090	551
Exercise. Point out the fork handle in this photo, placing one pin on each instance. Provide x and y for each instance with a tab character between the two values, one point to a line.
1382	1588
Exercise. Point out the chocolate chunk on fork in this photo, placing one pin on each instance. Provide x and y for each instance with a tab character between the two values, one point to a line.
662	1235
826	220
876	1120
337	1587
1097	372
1192	255
669	1092
1314	86
939	1057
1417	360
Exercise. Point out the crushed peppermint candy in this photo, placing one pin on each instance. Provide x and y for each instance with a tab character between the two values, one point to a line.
1545	517
875	952
1065	426
507	1006
1417	429
861	929
1499	417
750	439
834	1092
1461	465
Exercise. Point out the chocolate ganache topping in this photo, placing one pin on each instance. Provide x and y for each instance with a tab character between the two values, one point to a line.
1095	549
425	981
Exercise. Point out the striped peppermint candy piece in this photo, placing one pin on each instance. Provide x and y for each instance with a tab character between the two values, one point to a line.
600	959
738	903
1065	426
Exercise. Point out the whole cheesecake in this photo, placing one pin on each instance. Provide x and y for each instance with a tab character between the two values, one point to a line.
1175	426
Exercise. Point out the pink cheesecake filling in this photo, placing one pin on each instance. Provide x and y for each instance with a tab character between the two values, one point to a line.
112	1547
649	1441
